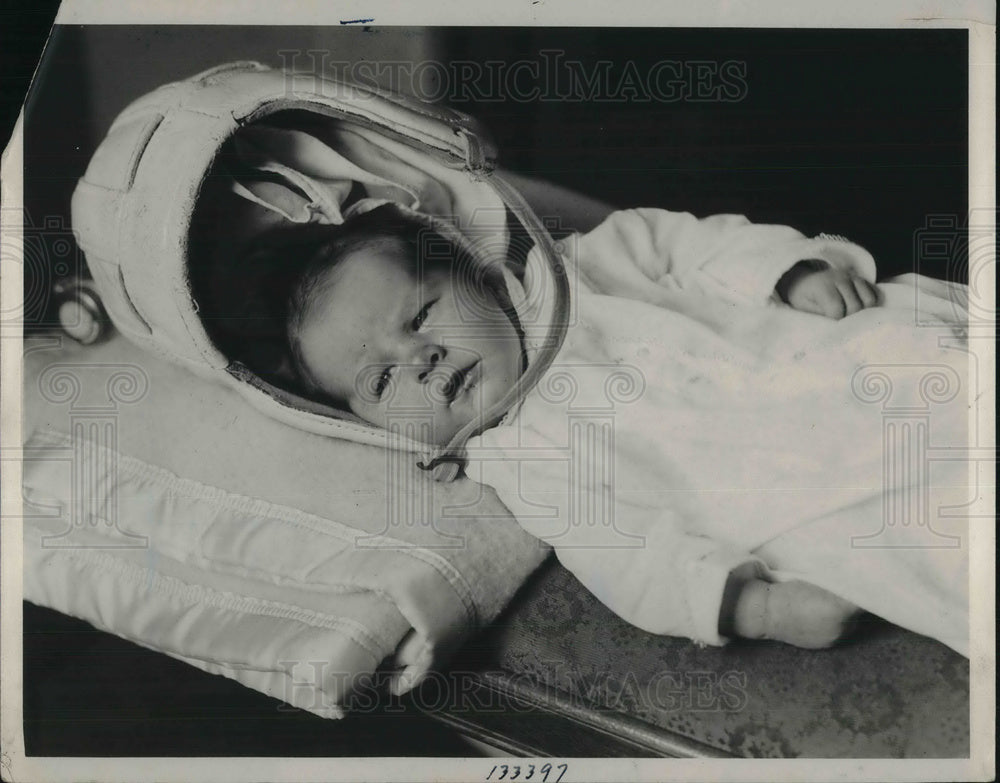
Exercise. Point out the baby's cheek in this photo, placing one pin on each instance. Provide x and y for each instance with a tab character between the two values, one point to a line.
371	414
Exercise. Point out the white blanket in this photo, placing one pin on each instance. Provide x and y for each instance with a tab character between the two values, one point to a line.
693	424
166	509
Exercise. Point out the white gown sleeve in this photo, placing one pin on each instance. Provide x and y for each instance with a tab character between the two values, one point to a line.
648	569
673	584
722	255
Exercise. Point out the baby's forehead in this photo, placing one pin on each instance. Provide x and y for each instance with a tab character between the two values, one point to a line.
370	285
388	267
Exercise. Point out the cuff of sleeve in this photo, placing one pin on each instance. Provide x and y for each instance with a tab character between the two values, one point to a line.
707	578
751	275
841	253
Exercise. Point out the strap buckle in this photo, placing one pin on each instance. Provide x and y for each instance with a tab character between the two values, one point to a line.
475	157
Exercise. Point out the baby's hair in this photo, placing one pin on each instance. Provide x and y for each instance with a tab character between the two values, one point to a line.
244	295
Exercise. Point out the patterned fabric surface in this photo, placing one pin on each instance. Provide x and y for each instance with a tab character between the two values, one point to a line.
887	693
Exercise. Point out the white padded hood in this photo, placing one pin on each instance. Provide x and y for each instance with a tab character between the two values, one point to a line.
132	214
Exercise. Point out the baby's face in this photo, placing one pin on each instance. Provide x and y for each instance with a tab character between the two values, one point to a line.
402	346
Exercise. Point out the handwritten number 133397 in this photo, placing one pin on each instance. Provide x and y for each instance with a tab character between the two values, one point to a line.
513	772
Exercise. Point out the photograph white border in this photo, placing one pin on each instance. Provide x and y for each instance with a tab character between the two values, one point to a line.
977	17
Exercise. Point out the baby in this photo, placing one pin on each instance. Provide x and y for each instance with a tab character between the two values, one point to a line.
383	325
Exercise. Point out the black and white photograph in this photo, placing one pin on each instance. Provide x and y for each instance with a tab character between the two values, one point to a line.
540	393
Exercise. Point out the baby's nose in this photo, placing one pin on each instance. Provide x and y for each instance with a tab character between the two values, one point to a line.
430	356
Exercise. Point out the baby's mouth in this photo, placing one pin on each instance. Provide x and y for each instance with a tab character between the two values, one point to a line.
461	380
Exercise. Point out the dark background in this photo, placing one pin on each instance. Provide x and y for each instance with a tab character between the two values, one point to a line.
24	26
854	132
861	133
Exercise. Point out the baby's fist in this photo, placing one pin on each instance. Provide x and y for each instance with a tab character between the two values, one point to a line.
814	287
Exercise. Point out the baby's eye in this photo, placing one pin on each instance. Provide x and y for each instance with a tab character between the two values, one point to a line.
422	316
383	381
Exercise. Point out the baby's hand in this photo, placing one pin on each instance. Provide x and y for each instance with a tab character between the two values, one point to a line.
795	612
814	287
